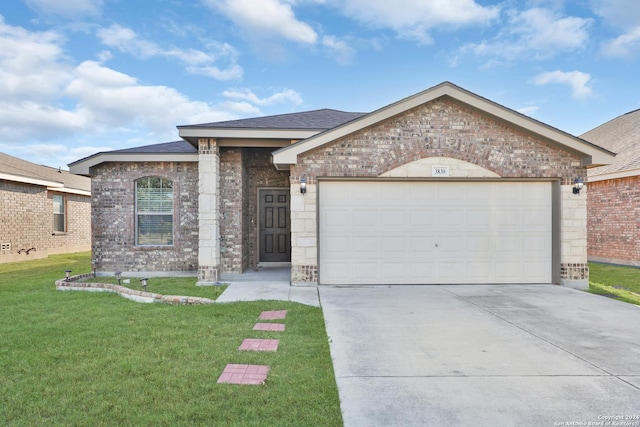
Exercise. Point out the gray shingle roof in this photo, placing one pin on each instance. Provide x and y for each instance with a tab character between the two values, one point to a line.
622	136
22	168
165	147
310	120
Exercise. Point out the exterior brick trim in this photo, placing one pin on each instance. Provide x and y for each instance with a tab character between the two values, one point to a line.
304	273
574	271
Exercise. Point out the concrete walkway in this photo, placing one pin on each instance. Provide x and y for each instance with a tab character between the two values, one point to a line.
267	284
483	356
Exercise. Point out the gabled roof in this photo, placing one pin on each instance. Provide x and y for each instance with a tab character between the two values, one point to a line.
621	135
589	153
293	126
18	170
176	151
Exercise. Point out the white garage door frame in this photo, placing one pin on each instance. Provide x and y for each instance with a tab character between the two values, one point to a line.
551	186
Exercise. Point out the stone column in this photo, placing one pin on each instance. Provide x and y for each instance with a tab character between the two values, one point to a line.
304	238
209	212
574	270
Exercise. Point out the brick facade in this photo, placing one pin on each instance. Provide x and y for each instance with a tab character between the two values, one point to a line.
113	215
442	128
242	172
26	215
613	221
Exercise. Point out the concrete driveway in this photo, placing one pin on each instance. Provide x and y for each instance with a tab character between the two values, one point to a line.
539	355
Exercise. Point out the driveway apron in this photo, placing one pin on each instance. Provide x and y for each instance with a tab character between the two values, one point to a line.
483	355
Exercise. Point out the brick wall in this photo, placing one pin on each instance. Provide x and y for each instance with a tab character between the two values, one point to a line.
113	216
232	195
242	172
613	220
27	220
439	129
26	215
78	217
261	174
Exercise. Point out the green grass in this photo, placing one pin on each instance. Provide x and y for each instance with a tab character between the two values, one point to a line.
615	281
81	358
185	286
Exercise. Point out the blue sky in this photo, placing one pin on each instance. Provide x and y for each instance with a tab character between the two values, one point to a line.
82	76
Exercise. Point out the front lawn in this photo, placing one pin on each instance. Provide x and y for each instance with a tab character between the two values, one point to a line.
615	281
84	358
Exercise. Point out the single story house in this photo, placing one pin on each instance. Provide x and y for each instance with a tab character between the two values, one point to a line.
441	187
613	225
43	211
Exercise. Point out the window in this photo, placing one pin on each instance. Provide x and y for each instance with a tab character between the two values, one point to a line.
154	211
58	215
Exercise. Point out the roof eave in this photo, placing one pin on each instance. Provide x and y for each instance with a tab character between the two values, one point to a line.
82	167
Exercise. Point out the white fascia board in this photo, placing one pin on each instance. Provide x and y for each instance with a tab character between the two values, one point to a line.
27	180
591	155
82	167
614	175
70	191
246	133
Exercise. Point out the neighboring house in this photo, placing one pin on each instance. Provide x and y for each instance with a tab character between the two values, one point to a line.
43	211
442	187
614	193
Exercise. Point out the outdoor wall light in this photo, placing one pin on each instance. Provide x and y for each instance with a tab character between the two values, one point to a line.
577	185
67	273
119	277
303	184
144	283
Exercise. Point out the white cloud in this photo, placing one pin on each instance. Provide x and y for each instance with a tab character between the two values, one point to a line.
66	8
340	49
623	46
266	18
577	80
286	95
624	14
528	111
197	62
537	33
414	18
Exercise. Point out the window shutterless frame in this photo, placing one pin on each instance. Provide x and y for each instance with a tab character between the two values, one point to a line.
59	214
154	211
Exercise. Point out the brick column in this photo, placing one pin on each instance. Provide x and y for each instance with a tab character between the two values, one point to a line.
209	211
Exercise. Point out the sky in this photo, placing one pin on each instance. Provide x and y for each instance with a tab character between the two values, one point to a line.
82	76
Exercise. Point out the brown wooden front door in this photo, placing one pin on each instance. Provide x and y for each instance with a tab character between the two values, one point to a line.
275	225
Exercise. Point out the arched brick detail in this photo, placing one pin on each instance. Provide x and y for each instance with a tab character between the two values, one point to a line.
441	128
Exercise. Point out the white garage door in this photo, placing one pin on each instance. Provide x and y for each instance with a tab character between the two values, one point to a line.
424	232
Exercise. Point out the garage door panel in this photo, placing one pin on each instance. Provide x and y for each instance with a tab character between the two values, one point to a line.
336	218
393	219
364	247
451	218
435	232
336	245
422	246
365	272
422	218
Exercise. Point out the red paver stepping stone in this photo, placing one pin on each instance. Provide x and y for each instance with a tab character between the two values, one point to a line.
251	344
269	315
279	327
244	374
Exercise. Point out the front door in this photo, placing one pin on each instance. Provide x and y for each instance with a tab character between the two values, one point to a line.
275	225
